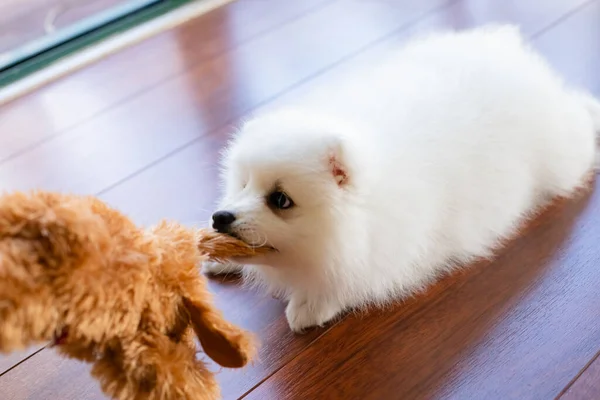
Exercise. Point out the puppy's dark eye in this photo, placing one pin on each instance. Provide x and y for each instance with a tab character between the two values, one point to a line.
280	200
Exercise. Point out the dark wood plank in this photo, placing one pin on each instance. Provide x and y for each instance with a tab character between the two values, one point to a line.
67	102
10	360
27	385
587	385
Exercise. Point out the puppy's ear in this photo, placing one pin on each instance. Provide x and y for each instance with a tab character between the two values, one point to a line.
225	343
336	163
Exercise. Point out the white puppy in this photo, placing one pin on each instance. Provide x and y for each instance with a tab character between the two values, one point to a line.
422	165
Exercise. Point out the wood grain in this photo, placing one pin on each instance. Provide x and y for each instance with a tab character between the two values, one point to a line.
587	385
145	136
8	361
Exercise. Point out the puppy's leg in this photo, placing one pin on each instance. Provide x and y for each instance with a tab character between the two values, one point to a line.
303	312
217	268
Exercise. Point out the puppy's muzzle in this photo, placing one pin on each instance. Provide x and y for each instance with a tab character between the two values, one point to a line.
222	221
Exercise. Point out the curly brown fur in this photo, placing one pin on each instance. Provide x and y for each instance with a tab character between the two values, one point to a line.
222	247
78	273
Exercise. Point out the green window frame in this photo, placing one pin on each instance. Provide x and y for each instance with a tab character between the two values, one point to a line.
43	52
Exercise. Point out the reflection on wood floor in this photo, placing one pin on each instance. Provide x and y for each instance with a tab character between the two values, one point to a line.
142	129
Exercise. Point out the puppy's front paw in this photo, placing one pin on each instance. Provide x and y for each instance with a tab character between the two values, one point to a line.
217	268
301	314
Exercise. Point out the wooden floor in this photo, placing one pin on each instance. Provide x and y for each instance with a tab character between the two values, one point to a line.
142	130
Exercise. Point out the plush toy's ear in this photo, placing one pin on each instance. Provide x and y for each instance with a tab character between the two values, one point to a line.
336	164
225	343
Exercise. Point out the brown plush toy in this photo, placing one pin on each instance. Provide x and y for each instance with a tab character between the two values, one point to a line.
80	275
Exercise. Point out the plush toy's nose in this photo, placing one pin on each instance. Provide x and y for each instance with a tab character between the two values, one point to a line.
222	221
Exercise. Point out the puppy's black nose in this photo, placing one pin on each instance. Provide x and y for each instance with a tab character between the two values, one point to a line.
222	221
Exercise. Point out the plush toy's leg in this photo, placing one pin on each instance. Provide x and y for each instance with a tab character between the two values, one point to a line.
154	368
222	341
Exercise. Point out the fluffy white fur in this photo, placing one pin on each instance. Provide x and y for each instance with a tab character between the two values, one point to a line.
423	164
